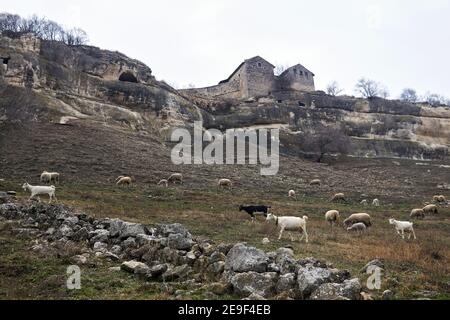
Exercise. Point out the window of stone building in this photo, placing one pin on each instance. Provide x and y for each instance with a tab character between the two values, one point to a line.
259	65
301	104
301	73
295	71
306	74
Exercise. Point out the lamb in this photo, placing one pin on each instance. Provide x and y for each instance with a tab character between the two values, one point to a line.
176	177
417	213
357	218
315	182
430	209
376	202
365	203
164	182
402	226
292	194
225	183
290	224
338	197
49	177
332	217
357	227
40	190
124	181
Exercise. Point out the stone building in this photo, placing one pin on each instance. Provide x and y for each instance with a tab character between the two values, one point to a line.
255	78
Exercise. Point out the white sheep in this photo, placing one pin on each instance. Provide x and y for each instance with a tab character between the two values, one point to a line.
417	213
164	182
359	227
365	203
431	209
124	181
315	182
292	194
176	177
376	202
40	190
290	224
49	177
332	217
402	226
225	183
338	197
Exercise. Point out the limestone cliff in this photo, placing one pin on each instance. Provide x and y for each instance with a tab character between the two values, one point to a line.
49	82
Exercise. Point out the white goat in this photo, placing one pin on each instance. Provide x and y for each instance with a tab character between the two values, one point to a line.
376	203
164	182
40	190
292	194
290	224
402	226
364	203
225	183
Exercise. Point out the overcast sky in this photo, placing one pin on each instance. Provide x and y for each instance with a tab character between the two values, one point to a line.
401	43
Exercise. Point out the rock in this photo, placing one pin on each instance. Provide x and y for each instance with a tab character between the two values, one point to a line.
168	229
243	258
284	252
144	239
100	247
377	263
265	241
216	268
50	231
191	256
64	231
217	257
156	271
206	248
247	283
219	288
387	295
273	267
71	221
255	297
142	270
81	235
114	269
124	230
286	282
130	266
309	278
99	235
110	256
116	249
129	243
176	273
349	289
224	248
79	260
179	242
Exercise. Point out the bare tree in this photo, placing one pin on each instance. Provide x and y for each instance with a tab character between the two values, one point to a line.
409	95
436	99
325	140
333	89
280	68
52	31
370	89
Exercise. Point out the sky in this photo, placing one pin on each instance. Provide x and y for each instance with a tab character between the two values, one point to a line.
399	43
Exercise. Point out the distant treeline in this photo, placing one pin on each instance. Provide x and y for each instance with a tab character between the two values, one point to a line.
13	24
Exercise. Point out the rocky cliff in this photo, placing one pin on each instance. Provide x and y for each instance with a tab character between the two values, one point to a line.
50	82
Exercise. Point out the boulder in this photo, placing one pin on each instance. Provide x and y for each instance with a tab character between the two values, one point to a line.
65	231
156	271
177	273
179	241
129	243
99	235
131	266
349	289
100	247
286	282
124	230
243	258
309	278
167	229
81	235
247	283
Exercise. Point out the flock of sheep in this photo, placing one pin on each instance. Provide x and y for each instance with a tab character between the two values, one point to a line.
358	222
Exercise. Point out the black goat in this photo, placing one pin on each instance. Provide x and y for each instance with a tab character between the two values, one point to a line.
252	210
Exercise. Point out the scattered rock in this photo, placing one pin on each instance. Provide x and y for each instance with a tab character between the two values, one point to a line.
247	283
243	258
286	282
176	273
100	247
348	290
131	266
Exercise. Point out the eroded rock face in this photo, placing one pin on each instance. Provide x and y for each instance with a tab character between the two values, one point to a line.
248	283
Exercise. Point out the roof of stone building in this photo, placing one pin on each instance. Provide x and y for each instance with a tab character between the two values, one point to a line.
297	66
240	66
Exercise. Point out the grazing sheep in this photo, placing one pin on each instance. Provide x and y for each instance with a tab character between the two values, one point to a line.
376	202
50	177
290	224
225	183
357	218
417	213
430	209
176	177
315	182
332	217
39	190
338	197
124	181
402	226
164	182
365	203
357	227
439	199
292	194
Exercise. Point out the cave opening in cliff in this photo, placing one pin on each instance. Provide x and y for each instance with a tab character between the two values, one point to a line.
301	104
5	60
128	77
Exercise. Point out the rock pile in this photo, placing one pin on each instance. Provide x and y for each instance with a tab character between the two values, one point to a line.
170	253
